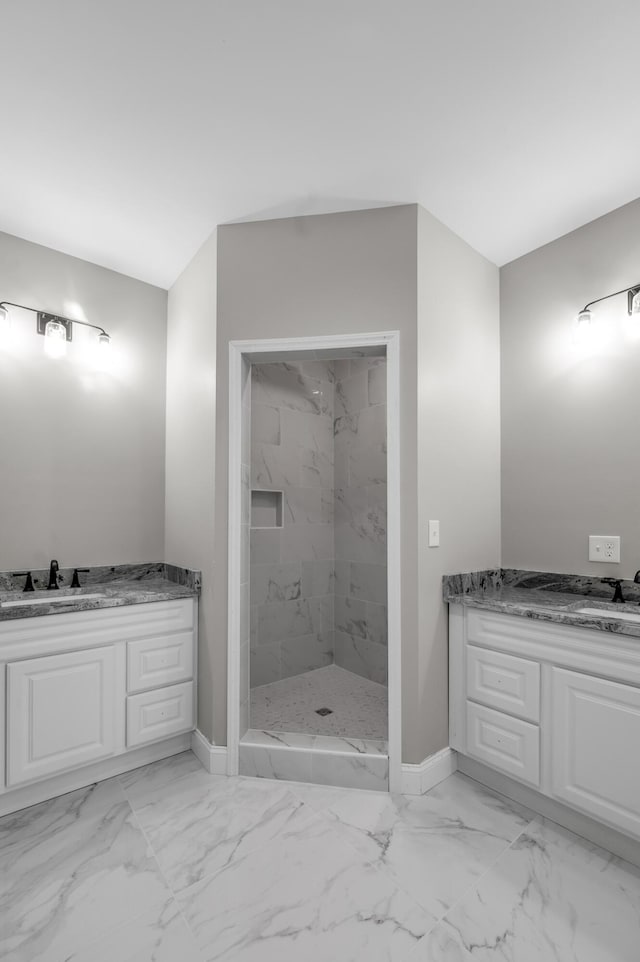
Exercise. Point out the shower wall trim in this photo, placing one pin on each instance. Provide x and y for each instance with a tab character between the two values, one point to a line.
270	350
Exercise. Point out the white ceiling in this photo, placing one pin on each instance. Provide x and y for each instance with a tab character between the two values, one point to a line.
130	128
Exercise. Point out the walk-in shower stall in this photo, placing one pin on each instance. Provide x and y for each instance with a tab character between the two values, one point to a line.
314	669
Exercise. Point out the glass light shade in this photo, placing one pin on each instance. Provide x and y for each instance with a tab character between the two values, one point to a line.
5	327
583	327
55	339
103	341
635	303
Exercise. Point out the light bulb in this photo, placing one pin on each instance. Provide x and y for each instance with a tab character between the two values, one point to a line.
55	339
5	327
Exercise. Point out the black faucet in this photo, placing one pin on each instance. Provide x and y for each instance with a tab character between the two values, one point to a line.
617	593
53	576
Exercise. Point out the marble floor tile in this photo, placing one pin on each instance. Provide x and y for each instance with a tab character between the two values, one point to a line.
153	778
308	896
72	869
359	706
200	822
551	897
158	936
434	845
265	872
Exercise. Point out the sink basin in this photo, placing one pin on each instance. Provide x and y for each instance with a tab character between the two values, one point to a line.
57	600
607	614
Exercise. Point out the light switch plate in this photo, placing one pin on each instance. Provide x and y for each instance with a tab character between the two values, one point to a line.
434	534
604	547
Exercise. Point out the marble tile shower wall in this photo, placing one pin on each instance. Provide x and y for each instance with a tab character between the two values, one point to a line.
360	546
292	566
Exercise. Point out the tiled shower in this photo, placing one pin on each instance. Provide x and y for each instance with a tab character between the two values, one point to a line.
318	641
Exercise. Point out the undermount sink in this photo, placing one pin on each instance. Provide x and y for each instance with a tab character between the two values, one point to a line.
608	614
57	600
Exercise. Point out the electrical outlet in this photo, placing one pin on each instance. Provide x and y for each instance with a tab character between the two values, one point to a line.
604	547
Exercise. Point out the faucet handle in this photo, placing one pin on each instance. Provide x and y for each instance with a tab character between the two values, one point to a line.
28	585
618	597
75	581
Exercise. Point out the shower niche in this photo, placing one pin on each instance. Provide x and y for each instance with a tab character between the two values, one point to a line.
266	509
317	583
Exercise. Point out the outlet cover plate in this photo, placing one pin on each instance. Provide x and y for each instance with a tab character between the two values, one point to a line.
604	548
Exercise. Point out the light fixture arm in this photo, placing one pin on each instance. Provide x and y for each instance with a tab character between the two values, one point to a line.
69	320
625	290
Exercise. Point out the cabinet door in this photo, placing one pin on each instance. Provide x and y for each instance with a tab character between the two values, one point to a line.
60	713
595	747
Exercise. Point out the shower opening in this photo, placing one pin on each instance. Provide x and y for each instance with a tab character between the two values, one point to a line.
313	625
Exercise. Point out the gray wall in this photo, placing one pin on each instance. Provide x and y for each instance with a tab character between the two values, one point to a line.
81	452
329	274
458	454
361	518
292	564
570	452
190	457
391	268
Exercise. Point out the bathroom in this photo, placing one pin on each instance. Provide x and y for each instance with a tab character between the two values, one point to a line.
285	449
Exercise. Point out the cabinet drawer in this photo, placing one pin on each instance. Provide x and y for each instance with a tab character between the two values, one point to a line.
153	715
505	743
596	746
504	682
152	662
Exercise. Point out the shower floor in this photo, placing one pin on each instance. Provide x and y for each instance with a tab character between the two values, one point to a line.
358	706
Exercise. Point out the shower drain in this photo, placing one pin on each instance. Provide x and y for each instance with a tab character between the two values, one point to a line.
324	711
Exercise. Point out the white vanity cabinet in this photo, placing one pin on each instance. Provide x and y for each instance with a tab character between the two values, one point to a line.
552	706
93	691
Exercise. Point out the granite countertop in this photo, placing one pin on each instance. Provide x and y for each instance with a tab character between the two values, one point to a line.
546	596
114	586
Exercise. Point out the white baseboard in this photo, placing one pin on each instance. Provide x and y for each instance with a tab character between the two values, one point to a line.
418	779
213	758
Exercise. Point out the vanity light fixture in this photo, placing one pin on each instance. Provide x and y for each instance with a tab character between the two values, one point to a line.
633	304
57	330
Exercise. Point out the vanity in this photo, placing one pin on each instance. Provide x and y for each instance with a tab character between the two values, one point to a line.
545	701
94	683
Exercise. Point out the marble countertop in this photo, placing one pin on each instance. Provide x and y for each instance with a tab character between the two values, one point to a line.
114	587
491	592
